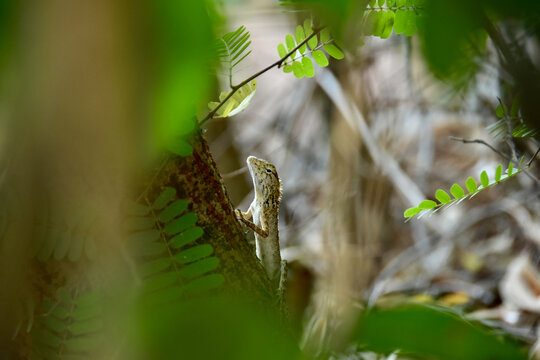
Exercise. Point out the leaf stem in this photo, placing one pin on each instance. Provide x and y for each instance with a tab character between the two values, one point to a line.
235	88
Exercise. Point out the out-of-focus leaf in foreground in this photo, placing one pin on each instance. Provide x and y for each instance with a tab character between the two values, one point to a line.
183	35
211	329
434	333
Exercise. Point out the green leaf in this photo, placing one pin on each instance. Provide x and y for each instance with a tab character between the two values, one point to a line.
287	68
457	191
442	196
430	332
388	25
510	168
320	58
200	267
289	41
173	210
164	198
381	3
300	36
194	253
405	22
281	50
471	185
501	111
427	205
155	266
297	69
400	3
333	51
307	65
312	43
410	212
186	237
204	283
325	35
484	179
237	103
498	173
180	224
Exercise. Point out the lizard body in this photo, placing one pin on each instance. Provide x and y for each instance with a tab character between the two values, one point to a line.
264	211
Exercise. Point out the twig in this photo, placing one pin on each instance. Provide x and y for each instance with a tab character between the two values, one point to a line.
235	88
478	141
533	157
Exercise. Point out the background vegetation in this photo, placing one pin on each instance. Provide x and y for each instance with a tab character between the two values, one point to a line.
405	134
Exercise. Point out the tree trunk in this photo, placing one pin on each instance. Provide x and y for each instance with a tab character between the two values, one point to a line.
197	179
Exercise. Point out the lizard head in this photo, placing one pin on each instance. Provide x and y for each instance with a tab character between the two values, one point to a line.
265	178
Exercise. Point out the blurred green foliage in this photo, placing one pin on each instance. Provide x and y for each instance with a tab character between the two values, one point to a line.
218	328
434	333
184	35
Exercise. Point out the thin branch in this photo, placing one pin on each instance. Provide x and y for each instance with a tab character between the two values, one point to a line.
478	141
235	88
532	159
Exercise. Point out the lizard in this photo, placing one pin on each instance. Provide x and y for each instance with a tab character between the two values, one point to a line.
264	211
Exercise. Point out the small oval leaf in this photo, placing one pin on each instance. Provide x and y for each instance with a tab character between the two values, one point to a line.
325	35
427	204
333	51
297	69
281	50
163	199
287	68
498	173
510	168
289	41
471	185
307	64
457	191
484	179
320	58
410	212
300	36
442	196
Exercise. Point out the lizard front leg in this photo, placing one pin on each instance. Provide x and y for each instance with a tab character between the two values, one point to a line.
244	217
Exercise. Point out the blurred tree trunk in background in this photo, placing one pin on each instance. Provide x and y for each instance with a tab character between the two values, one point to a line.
76	138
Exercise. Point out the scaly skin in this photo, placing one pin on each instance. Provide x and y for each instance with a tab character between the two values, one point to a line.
264	211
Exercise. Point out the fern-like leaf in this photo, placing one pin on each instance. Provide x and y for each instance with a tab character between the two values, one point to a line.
300	62
69	326
511	123
232	48
381	17
444	199
162	239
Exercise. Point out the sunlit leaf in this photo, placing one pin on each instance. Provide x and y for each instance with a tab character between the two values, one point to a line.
471	185
320	58
498	173
333	51
410	212
484	179
457	191
300	36
307	65
237	103
297	69
442	196
427	204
